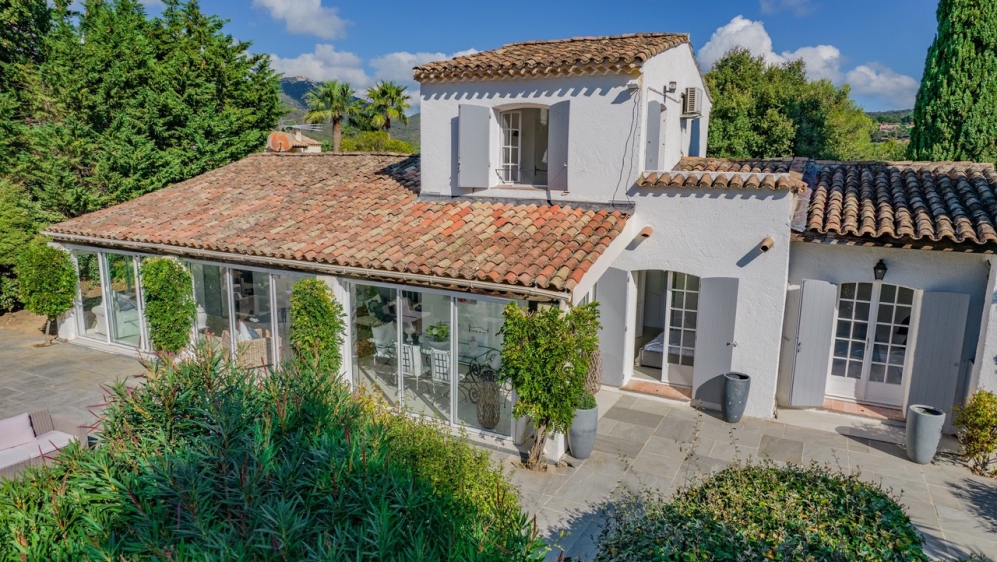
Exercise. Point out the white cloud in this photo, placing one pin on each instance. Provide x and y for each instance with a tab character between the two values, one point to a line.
398	66
881	82
798	7
305	17
325	63
822	61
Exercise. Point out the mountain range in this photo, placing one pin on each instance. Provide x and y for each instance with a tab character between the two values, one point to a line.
292	94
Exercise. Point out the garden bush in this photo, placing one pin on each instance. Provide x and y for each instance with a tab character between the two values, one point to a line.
374	141
317	325
746	513
210	461
46	277
170	310
9	299
977	423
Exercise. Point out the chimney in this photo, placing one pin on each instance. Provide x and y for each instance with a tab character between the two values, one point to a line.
297	134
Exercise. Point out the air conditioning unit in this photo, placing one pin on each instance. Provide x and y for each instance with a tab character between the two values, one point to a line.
692	103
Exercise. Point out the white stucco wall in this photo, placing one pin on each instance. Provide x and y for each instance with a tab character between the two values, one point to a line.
606	126
675	65
917	269
710	233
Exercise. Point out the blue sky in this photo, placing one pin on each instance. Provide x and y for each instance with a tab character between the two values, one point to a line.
877	46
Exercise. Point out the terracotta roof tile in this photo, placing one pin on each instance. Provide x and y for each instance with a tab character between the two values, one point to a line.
720	180
936	201
743	165
578	55
359	210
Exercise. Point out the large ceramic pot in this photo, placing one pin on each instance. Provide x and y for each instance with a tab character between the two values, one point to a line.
582	433
924	431
736	387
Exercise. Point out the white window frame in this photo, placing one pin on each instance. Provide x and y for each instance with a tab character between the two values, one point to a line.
678	372
505	167
105	287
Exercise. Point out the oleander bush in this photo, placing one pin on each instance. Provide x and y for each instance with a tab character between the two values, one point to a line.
977	423
746	513
210	461
170	310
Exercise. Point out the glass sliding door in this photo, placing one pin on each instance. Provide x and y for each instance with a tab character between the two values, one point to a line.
123	312
212	298
425	351
375	340
92	312
282	286
483	402
253	322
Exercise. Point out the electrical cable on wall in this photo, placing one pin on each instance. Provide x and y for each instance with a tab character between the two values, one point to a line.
631	141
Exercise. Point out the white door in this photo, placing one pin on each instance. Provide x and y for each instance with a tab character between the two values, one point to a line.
869	353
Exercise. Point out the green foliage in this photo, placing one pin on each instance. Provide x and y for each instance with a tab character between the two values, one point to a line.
438	332
763	111
977	423
375	141
317	325
955	115
762	512
47	280
170	309
9	297
20	221
585	401
332	101
387	101
546	355
210	461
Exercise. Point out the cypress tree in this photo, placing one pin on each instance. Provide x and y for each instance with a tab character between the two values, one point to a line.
955	117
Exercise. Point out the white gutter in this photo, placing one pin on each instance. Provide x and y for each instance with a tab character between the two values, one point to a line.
357	272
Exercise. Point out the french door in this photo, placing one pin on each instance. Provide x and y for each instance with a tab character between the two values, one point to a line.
872	333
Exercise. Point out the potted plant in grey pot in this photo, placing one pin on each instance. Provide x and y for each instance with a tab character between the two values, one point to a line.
438	335
736	387
924	431
582	433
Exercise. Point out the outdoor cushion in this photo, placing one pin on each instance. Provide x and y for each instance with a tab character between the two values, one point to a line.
42	445
16	431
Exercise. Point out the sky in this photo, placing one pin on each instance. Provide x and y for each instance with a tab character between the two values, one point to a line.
876	46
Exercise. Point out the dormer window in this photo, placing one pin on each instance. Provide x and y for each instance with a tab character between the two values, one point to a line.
523	149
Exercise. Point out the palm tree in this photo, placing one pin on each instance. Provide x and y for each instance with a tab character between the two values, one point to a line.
332	101
387	101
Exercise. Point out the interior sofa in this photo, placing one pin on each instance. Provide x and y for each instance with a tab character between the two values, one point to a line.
30	439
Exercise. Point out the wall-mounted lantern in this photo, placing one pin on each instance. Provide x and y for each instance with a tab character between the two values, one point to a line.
879	270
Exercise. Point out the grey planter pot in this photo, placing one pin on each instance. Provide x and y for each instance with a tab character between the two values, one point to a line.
581	434
442	345
924	431
736	387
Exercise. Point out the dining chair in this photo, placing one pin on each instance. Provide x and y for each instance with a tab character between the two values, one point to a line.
440	367
412	363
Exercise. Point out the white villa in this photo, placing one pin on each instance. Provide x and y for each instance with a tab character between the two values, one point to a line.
561	171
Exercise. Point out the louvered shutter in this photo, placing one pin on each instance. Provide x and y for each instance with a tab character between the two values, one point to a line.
813	343
653	140
557	147
936	365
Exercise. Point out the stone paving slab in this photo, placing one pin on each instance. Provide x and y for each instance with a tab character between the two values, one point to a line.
663	445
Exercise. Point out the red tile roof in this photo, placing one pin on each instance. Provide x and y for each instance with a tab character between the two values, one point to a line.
578	55
743	165
363	211
935	201
720	180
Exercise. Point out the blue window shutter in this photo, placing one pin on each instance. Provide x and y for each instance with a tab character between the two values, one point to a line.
653	140
557	147
813	343
714	337
936	365
473	134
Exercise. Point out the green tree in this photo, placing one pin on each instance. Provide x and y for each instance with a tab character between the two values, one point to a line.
764	111
47	280
20	221
333	101
317	325
955	115
546	356
375	141
387	101
170	309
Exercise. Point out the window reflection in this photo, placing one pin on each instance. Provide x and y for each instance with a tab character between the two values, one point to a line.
375	340
211	297
253	322
93	320
483	401
123	315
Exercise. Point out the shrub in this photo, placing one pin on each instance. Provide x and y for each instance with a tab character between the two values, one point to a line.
585	401
211	461
546	356
438	332
47	280
375	141
316	322
170	309
9	301
977	423
762	512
